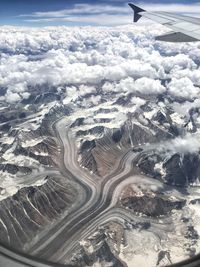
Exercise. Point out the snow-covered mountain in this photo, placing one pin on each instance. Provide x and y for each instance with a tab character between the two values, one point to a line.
99	145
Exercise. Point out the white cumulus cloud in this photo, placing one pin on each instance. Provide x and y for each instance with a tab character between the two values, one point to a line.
183	145
183	88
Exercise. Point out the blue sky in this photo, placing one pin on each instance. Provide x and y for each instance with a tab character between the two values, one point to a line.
70	13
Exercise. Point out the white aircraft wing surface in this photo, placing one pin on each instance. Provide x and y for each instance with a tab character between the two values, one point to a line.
184	28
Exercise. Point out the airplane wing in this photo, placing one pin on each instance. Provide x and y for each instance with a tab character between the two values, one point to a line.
184	28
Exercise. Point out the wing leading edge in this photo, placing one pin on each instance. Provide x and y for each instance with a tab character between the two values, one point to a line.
185	29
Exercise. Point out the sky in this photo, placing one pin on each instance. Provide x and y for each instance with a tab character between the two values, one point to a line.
80	13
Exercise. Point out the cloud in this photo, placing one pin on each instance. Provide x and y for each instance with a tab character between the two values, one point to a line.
83	9
149	86
185	107
144	85
12	97
172	7
71	95
85	89
178	62
183	88
93	100
86	13
83	59
138	101
183	145
102	19
104	14
192	73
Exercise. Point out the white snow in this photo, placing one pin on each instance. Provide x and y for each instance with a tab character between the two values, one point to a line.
177	118
159	167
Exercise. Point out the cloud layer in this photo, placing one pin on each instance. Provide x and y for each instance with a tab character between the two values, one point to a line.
123	59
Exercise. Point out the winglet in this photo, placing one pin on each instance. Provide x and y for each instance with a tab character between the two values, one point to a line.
136	10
